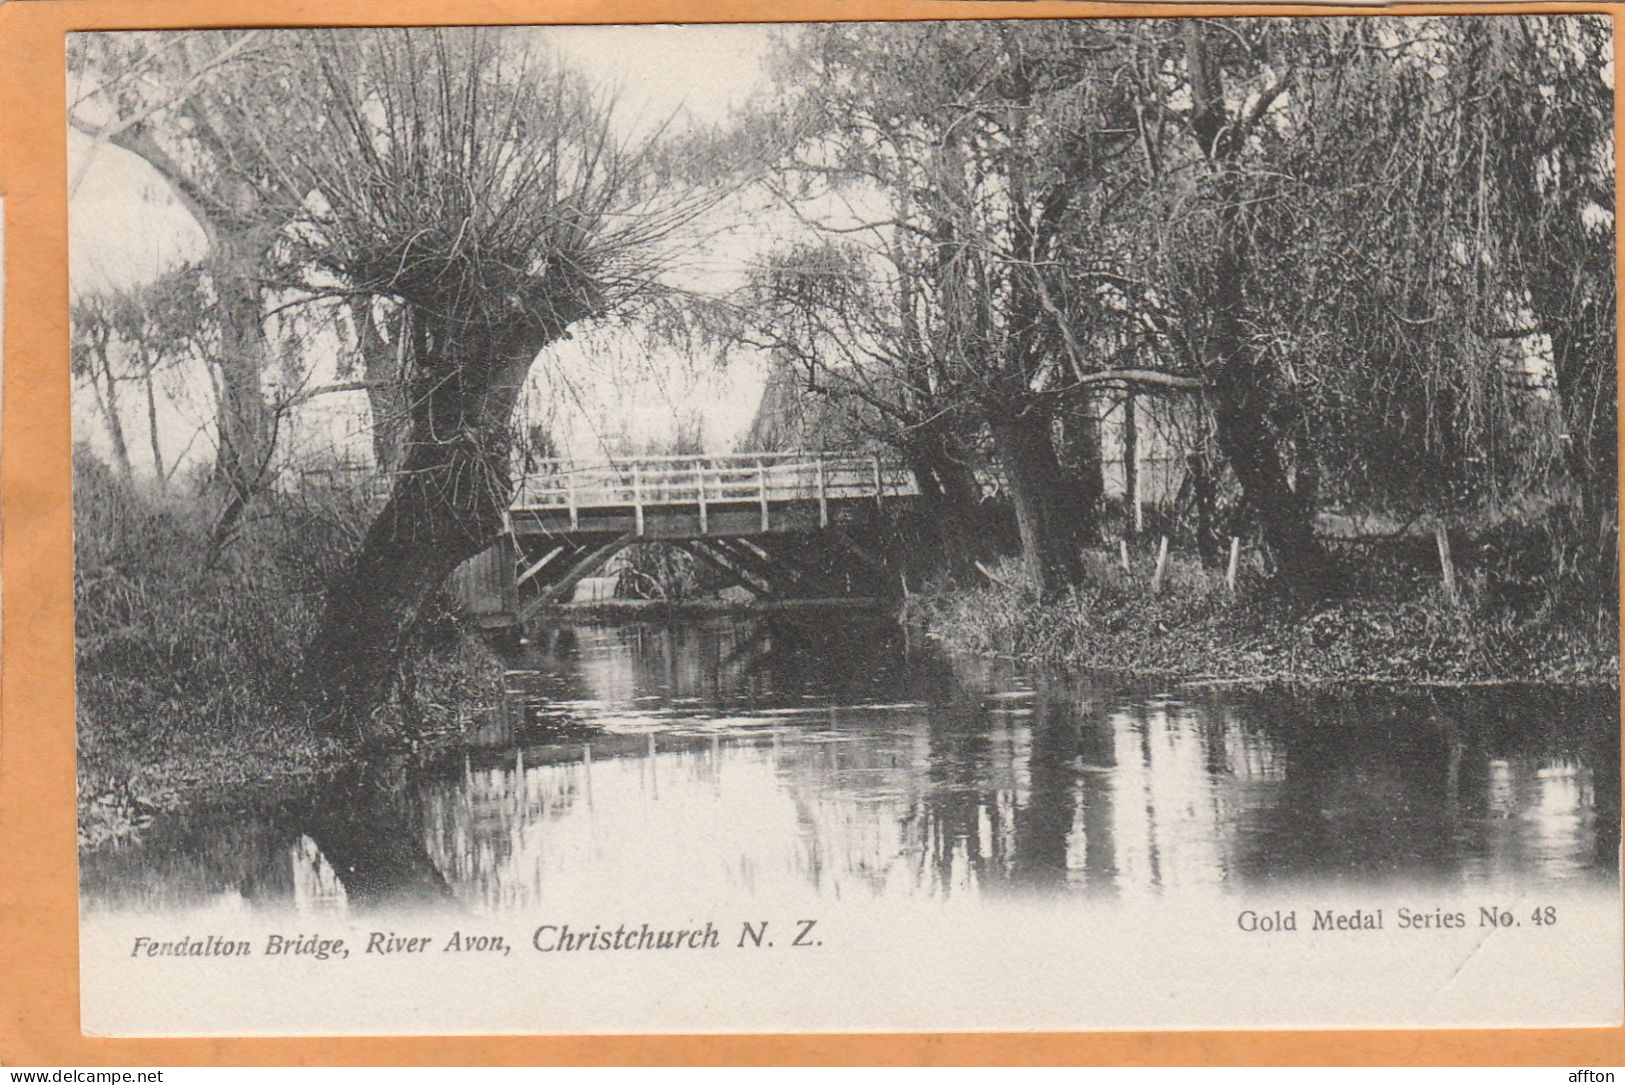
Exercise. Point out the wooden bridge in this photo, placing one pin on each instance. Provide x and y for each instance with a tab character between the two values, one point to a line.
779	525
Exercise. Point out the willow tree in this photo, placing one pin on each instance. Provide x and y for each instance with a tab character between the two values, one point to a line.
967	153
1408	230
212	113
484	189
1544	113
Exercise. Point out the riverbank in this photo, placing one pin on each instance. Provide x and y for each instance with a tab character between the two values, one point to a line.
187	652
1395	625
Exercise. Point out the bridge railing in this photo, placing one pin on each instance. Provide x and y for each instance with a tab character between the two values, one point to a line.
763	479
737	478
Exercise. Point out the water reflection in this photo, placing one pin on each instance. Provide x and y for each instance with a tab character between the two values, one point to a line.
710	762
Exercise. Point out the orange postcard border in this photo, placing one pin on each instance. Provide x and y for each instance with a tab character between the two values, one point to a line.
39	995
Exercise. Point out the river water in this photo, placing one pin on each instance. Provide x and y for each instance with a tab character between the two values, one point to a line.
789	757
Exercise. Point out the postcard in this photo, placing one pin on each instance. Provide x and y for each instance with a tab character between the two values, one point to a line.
955	525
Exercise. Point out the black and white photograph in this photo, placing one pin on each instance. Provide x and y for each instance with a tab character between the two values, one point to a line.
1063	524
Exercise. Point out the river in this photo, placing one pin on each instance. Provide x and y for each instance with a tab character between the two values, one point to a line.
799	756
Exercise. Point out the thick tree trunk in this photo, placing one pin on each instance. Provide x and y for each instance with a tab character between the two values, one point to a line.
1585	370
1285	519
1083	462
950	502
445	505
1049	514
241	414
384	364
1232	377
1202	498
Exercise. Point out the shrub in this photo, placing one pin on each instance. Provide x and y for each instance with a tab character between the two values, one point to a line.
187	655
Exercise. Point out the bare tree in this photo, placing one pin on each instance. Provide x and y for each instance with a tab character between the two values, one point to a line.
210	113
483	189
138	335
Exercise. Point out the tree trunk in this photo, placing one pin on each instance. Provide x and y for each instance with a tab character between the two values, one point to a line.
384	364
445	505
1203	493
108	401
1049	514
1285	519
1584	369
158	472
1232	377
1131	465
1082	461
241	419
950	502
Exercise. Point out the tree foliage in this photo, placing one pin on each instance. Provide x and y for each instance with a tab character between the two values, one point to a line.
1379	250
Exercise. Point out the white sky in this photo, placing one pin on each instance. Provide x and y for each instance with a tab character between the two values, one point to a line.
125	228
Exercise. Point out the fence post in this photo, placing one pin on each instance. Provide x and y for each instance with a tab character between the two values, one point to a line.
761	492
699	484
823	497
1235	560
1441	536
876	460
1162	564
575	519
1122	554
1139	492
637	495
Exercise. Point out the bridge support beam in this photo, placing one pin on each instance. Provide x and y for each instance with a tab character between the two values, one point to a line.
772	567
544	563
560	589
868	557
730	571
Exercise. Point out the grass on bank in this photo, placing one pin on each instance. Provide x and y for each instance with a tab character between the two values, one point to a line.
187	654
1518	617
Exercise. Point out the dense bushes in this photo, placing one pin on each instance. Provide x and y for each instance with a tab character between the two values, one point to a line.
1393	623
187	656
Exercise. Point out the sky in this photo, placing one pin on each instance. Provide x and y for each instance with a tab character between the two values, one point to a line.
126	228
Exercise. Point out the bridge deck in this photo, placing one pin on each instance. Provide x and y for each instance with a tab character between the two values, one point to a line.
681	496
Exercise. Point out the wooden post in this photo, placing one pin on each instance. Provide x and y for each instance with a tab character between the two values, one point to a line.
637	495
575	520
1131	465
1122	554
699	483
1235	560
761	492
1162	564
539	566
1441	536
823	497
876	459
1139	489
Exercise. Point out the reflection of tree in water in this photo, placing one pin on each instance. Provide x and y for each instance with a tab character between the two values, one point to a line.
345	841
205	856
475	824
716	664
364	827
1072	786
1443	786
759	757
